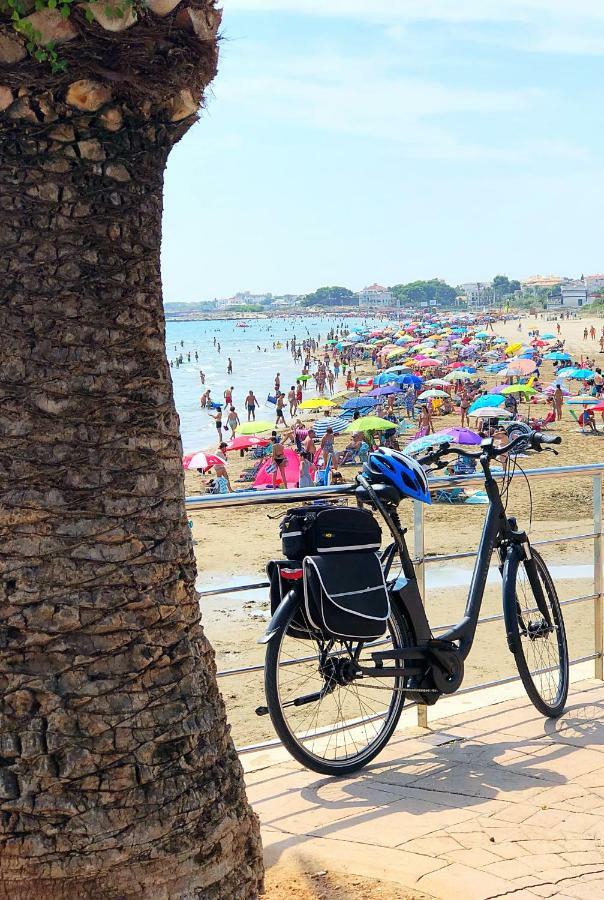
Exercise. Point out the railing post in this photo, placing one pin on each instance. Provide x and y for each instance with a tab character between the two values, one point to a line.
419	553
599	601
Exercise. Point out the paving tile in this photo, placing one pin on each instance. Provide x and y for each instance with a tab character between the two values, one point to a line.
312	854
476	857
458	882
437	844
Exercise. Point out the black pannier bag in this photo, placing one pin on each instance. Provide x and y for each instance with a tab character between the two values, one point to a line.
345	596
311	530
286	576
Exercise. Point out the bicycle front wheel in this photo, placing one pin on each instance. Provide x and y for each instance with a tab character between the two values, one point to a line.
535	631
329	720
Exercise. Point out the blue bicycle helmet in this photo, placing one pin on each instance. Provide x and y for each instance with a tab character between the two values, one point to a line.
404	472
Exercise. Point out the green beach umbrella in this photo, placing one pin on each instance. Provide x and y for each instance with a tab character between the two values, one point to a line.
518	389
255	427
370	423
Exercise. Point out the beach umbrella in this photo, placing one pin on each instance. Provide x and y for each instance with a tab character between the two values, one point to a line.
255	427
316	403
581	374
490	412
558	355
566	371
202	459
359	403
343	395
370	423
521	367
466	370
461	435
386	389
247	442
427	395
397	370
482	334
548	337
423	443
518	389
413	380
438	382
427	363
487	400
599	407
580	399
338	424
513	348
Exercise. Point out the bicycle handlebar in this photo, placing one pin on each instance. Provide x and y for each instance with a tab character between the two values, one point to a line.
534	438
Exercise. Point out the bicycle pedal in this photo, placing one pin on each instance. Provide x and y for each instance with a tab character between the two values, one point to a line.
261	710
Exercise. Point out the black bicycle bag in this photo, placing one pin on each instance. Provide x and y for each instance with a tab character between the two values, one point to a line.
345	596
318	530
286	576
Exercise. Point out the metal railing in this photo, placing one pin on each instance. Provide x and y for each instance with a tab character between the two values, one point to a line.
421	560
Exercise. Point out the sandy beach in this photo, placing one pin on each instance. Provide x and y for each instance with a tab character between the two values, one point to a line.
234	545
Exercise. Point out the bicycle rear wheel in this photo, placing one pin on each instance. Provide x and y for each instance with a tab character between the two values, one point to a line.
536	634
343	721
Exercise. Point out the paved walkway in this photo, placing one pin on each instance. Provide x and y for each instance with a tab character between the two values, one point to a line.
493	802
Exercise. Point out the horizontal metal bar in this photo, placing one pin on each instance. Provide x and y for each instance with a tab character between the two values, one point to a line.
485	620
265	498
235	590
499	616
269	745
468	554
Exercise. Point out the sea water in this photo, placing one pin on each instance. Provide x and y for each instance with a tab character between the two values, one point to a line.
253	368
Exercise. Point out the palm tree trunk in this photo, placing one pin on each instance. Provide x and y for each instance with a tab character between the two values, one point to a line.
118	776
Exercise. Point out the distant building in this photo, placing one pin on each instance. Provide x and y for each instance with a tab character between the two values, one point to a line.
573	295
593	283
375	295
530	284
478	293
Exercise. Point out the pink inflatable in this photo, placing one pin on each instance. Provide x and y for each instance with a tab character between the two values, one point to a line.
264	478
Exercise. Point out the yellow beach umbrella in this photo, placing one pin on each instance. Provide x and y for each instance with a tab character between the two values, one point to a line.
316	403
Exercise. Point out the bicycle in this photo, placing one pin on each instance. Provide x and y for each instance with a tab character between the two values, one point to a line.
324	703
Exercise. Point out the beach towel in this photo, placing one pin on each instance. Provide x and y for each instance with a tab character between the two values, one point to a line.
264	477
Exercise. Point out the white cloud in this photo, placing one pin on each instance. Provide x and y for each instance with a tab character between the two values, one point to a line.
358	96
546	26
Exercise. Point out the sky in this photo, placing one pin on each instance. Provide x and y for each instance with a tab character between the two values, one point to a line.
353	141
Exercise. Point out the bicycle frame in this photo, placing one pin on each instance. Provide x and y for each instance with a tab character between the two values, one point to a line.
498	533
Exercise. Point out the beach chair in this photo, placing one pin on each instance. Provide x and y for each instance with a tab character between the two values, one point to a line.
322	475
453	495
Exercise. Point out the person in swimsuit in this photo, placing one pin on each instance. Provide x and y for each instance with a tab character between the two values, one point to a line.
280	405
328	448
233	421
251	403
464	405
218	420
278	454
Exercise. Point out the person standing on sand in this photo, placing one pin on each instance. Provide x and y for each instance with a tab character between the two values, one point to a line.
291	399
464	405
280	406
250	404
558	400
279	462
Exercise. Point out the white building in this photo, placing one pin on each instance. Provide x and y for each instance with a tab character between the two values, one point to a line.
478	293
573	295
376	296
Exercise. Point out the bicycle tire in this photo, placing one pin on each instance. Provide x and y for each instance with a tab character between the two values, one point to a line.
537	678
298	746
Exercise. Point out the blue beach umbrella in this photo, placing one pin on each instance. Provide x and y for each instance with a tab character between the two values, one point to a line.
548	337
487	400
581	374
360	403
558	355
430	440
